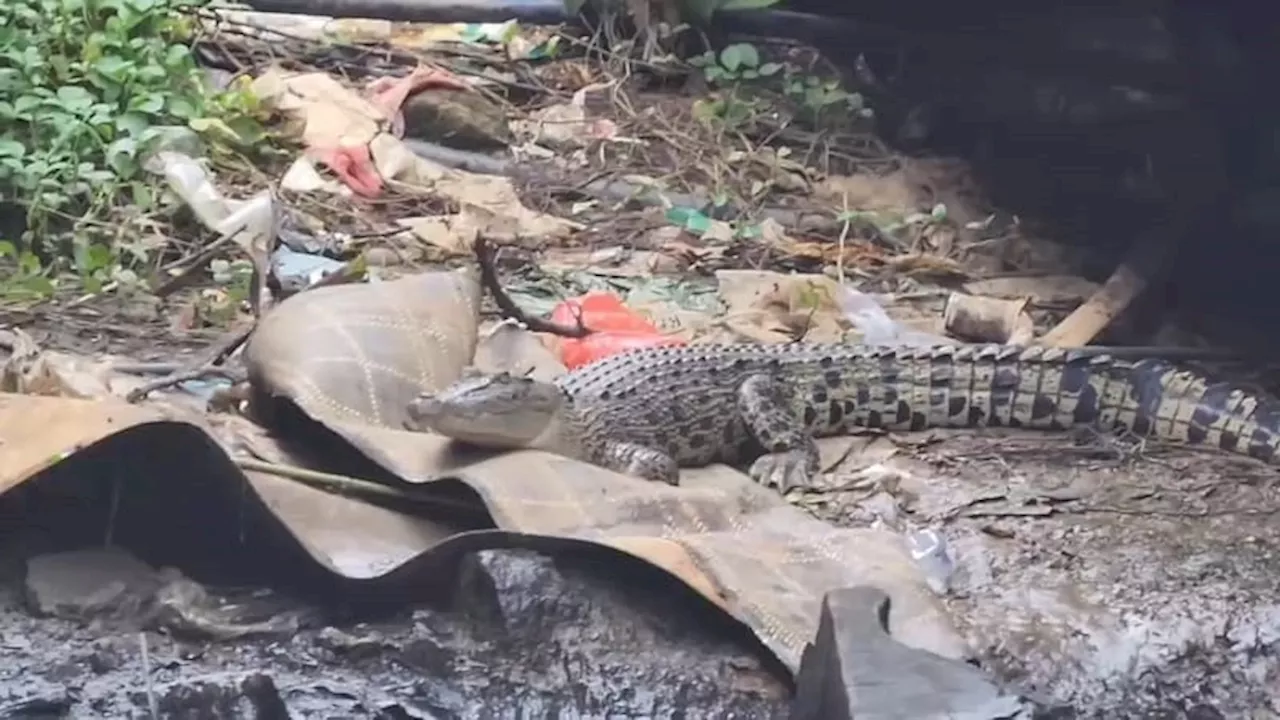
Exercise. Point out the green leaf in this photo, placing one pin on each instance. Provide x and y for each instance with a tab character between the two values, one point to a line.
122	155
142	195
150	103
12	148
769	69
98	176
715	73
37	285
181	107
97	257
248	129
75	98
177	56
132	123
707	110
215	127
29	264
739	55
112	66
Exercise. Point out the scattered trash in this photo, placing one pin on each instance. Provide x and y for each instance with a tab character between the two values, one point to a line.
245	222
877	328
929	548
615	328
984	319
390	94
566	126
295	270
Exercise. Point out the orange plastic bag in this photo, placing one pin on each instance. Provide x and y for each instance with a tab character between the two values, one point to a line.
616	328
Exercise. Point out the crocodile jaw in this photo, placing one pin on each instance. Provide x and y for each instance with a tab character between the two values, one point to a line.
496	411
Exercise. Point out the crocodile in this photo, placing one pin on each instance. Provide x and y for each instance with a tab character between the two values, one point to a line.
651	411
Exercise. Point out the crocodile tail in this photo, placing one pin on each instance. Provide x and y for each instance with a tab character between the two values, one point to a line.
1156	398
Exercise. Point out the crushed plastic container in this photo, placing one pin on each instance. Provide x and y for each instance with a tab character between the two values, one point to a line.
616	328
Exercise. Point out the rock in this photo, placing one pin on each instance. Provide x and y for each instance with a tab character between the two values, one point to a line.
252	696
86	584
462	120
183	607
622	627
354	646
42	700
854	669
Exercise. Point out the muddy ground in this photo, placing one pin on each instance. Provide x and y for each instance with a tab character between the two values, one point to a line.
536	639
1122	579
1101	579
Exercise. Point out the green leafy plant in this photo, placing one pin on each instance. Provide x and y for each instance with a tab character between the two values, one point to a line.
740	61
86	86
235	278
729	68
818	96
896	225
739	64
27	279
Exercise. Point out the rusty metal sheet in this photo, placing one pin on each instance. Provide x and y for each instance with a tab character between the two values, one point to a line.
346	358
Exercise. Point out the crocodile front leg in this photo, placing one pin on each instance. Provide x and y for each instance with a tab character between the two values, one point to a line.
766	406
637	460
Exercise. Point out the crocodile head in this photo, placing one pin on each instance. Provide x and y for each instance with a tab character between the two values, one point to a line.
498	411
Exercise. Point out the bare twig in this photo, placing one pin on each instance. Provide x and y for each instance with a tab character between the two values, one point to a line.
187	270
352	487
1146	263
224	348
485	257
210	366
178	378
153	706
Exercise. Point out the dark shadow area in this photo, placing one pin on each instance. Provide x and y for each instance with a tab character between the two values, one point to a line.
1093	122
168	494
535	626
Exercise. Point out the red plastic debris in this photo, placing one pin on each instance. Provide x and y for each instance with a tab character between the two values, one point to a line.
616	328
353	166
390	94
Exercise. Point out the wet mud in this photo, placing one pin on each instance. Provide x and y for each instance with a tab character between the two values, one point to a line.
527	637
1107	580
1100	581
